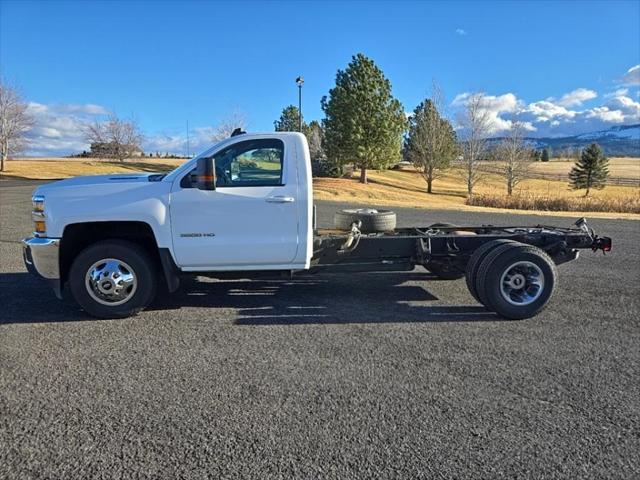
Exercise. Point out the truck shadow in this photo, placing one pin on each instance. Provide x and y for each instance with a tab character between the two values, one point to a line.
310	299
26	299
324	299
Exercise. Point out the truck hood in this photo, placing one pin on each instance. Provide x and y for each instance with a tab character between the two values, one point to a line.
132	197
97	180
106	188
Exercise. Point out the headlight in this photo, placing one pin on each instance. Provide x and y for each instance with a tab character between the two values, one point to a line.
38	203
38	214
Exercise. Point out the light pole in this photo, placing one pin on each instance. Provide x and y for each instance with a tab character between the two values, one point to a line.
188	156
300	82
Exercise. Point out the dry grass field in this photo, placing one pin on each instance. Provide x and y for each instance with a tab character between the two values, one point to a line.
403	188
56	168
624	167
407	189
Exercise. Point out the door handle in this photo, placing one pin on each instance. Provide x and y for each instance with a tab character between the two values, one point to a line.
280	199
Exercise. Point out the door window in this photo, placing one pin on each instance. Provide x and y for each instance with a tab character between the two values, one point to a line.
254	163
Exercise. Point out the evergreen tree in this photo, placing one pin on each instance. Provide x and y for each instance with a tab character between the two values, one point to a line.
431	144
535	154
591	170
289	120
545	155
364	122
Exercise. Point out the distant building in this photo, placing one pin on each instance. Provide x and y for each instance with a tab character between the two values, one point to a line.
108	150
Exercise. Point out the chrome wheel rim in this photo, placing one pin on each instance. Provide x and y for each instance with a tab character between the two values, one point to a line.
522	283
111	282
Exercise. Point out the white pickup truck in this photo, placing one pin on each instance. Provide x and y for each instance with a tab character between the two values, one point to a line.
246	205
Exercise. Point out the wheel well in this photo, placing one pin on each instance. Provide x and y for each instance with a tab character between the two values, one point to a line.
78	236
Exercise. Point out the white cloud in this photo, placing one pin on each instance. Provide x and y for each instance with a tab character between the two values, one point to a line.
627	105
617	93
495	107
88	109
176	142
58	131
545	111
632	77
460	31
605	114
551	117
58	128
576	97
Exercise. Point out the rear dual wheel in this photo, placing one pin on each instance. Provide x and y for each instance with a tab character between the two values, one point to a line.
512	279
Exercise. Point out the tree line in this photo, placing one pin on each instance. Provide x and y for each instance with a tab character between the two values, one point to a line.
364	126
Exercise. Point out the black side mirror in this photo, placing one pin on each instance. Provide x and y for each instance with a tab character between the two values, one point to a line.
205	174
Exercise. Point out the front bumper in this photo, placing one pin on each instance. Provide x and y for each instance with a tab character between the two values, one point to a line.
42	258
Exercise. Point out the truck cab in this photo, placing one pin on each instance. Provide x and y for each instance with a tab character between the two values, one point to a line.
243	205
255	214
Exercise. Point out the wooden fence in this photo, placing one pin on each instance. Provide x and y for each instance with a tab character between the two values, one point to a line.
564	177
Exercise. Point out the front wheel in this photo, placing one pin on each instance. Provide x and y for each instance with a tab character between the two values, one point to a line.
113	279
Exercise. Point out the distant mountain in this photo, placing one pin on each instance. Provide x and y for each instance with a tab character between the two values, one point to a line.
621	141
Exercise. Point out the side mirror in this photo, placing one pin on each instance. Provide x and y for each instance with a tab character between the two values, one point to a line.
205	174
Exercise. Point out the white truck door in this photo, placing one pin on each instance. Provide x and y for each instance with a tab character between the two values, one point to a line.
250	220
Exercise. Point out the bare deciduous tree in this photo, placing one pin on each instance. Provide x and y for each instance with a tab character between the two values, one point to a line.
475	122
15	122
227	125
514	158
114	138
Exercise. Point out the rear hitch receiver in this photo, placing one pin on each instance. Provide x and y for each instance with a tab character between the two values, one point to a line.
601	243
597	243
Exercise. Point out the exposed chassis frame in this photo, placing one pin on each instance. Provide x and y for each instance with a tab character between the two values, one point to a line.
404	248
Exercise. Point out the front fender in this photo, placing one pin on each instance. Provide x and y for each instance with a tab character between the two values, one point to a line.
120	202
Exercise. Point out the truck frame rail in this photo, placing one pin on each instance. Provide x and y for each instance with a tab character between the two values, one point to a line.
403	248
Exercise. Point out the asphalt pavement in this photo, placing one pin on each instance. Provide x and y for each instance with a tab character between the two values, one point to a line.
329	376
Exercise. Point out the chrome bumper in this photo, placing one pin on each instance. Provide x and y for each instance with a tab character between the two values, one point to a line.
41	257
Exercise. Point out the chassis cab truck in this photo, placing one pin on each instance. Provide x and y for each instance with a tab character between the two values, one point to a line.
246	205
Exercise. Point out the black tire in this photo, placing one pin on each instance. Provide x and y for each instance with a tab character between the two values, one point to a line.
479	280
506	258
373	221
129	254
474	263
443	225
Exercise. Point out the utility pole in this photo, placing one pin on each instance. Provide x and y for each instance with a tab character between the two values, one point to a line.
300	82
188	139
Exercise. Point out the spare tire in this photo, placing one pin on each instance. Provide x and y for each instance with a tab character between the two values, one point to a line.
443	225
372	220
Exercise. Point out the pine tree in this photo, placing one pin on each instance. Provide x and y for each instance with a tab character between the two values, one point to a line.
591	170
431	144
545	155
364	122
535	154
289	120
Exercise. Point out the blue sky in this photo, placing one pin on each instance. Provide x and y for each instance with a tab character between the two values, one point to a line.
562	67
